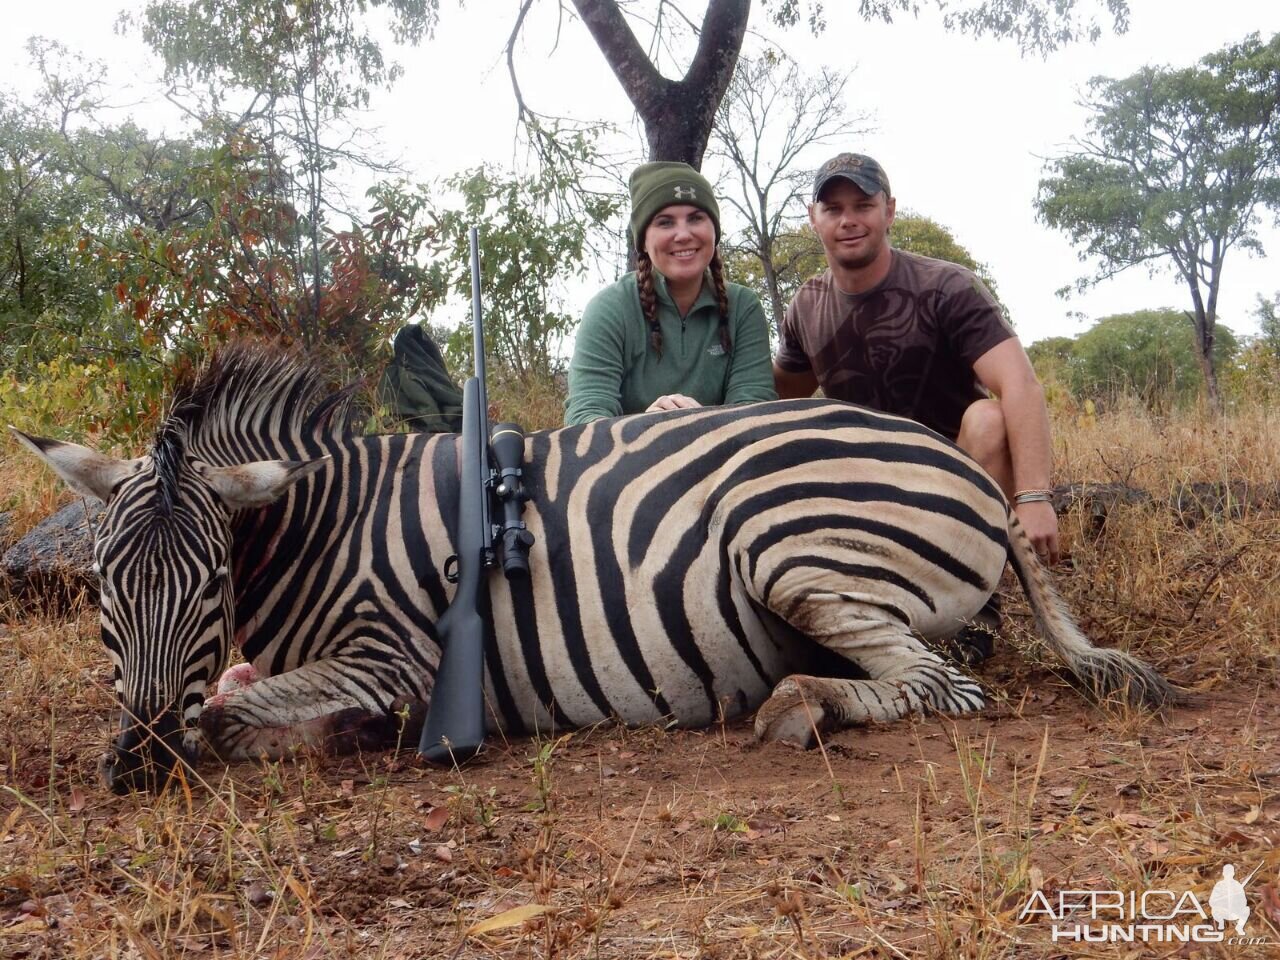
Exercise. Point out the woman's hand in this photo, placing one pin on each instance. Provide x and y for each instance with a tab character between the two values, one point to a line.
673	401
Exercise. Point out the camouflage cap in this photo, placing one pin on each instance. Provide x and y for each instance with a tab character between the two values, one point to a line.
859	169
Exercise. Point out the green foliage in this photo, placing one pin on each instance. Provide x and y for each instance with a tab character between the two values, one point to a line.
282	81
1175	171
1039	26
1149	354
40	212
797	256
1268	315
526	254
278	48
73	399
1255	375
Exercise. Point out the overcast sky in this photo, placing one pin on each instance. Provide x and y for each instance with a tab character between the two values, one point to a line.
962	126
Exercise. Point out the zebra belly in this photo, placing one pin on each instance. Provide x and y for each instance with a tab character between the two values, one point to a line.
641	657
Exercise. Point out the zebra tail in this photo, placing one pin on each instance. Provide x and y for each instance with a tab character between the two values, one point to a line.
1107	675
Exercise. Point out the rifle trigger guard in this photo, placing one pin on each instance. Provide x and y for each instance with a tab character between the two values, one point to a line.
451	569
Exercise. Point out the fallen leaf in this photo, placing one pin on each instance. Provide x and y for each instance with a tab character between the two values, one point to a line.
436	819
1135	820
443	854
1253	815
76	803
510	918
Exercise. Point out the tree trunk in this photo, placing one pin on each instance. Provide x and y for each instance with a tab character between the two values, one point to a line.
677	115
1203	322
771	284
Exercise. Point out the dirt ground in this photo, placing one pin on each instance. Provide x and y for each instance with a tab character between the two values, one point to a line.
918	839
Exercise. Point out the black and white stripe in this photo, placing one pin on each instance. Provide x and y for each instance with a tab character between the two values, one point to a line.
687	566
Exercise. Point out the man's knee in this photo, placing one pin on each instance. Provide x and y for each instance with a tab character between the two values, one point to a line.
982	430
984	437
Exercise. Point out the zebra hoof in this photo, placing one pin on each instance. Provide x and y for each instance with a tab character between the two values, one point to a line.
793	714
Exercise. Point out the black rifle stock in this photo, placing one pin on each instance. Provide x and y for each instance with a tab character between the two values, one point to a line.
455	725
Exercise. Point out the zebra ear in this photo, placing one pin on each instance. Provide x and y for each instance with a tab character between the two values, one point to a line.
85	471
257	484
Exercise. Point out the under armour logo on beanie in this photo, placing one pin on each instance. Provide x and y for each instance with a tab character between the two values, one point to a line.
664	183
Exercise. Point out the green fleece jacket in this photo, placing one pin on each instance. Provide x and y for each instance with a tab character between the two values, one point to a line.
615	369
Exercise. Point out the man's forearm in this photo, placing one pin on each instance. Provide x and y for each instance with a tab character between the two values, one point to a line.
1026	421
791	386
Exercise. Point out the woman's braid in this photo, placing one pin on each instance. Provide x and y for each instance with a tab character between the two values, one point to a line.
648	299
722	298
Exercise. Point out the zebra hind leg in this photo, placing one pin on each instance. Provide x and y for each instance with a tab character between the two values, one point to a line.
905	677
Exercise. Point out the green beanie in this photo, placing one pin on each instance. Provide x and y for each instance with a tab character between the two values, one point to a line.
662	184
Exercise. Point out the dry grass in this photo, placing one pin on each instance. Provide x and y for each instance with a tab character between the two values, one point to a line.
27	494
921	839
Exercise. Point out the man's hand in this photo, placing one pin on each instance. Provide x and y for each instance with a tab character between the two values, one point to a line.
1041	524
673	401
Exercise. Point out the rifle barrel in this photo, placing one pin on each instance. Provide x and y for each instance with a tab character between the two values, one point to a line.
477	318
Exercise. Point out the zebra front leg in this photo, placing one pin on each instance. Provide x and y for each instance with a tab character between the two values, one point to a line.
905	677
336	705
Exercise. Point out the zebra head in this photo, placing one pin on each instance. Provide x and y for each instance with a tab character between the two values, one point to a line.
162	557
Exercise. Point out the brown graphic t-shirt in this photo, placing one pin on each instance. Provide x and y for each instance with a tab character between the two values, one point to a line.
907	346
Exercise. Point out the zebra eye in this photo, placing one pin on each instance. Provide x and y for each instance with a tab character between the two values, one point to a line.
217	580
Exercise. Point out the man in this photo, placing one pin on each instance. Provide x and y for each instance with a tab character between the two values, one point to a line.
917	337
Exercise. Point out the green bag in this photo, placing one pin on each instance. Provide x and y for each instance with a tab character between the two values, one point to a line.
416	386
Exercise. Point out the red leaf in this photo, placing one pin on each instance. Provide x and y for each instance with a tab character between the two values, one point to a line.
436	819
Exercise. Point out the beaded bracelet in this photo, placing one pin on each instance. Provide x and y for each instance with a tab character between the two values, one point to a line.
1033	496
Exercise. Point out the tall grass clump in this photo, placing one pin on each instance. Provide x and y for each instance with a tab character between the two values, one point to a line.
1191	572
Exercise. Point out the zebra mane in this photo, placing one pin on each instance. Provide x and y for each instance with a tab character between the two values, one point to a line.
251	401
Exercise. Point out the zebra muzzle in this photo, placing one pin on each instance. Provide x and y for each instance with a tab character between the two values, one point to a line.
146	755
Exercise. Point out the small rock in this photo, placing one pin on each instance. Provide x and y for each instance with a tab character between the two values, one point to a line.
389	863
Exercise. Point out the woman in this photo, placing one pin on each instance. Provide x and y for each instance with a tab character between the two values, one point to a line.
673	334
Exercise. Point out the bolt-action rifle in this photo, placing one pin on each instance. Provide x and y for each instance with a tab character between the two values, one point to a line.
490	478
